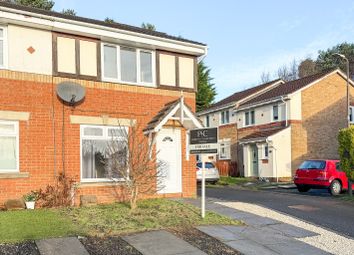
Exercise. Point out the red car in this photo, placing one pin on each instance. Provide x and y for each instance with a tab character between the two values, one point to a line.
321	174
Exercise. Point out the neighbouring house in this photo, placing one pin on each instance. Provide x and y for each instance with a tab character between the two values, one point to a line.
131	75
221	114
292	121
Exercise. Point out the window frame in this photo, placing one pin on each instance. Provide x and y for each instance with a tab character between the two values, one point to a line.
138	65
351	111
250	118
207	120
104	137
222	145
16	134
272	113
4	40
225	117
265	149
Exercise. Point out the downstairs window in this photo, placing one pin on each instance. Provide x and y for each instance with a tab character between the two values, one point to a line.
103	152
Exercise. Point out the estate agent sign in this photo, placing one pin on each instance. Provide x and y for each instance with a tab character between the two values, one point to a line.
203	141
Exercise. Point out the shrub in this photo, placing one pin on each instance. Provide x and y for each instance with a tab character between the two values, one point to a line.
346	151
59	194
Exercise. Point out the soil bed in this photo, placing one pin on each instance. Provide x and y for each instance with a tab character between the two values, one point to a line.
26	248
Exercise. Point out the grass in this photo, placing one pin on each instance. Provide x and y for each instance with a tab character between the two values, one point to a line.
115	219
111	219
346	197
228	180
23	225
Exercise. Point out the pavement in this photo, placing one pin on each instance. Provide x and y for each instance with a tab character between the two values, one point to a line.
316	206
259	235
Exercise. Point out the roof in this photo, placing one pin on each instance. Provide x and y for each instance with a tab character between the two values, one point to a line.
161	115
286	88
240	95
96	22
263	133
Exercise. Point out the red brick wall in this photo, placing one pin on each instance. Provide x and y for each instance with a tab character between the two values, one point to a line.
37	135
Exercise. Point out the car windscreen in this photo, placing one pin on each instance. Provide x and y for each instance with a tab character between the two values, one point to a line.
208	165
313	164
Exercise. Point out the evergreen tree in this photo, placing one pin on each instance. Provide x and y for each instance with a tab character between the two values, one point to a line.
206	89
40	4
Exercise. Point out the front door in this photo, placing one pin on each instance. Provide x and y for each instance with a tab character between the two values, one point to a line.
254	160
168	146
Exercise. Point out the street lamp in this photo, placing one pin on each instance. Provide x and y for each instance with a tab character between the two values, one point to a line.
342	56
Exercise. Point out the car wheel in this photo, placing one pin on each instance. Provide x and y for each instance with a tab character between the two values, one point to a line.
336	188
302	188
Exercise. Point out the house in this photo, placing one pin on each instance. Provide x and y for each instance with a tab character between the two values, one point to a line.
278	128
221	114
130	76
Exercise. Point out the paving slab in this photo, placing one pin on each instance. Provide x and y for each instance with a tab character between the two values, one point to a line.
292	231
222	233
249	247
161	242
61	246
295	247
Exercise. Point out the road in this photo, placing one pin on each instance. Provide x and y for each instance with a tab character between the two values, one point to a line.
315	207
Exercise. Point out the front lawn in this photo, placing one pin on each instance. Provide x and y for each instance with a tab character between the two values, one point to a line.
228	180
16	226
151	214
111	219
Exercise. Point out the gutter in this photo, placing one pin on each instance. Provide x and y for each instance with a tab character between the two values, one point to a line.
246	107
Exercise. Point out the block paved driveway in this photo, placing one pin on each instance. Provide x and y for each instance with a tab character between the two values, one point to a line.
315	207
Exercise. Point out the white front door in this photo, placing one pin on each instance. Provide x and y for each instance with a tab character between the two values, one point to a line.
168	146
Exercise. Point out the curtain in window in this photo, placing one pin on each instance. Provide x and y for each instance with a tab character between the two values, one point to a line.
8	153
128	64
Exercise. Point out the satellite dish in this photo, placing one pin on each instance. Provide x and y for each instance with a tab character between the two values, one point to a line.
70	92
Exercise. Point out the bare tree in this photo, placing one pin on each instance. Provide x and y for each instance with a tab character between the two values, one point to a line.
133	161
288	72
265	77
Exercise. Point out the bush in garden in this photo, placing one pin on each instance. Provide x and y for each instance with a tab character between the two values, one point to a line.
60	194
346	151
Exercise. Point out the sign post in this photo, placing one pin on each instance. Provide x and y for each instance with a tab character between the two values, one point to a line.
203	141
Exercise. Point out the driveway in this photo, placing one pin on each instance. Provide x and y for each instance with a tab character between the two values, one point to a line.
315	207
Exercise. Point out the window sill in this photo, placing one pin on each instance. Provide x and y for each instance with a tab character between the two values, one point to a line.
14	175
102	182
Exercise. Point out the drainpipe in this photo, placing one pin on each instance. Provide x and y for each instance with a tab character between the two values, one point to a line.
286	111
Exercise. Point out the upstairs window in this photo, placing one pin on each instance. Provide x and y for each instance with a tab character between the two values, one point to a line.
249	118
275	112
225	117
9	146
207	121
3	48
128	65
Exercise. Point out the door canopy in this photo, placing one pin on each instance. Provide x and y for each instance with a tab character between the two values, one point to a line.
174	110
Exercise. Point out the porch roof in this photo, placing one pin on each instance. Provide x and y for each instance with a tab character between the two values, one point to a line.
261	135
176	109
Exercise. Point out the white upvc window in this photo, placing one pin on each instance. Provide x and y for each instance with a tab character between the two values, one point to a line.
207	120
275	113
3	47
9	146
225	117
99	151
265	151
128	65
225	150
351	117
249	118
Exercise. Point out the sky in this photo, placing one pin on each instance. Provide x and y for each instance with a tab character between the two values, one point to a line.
244	38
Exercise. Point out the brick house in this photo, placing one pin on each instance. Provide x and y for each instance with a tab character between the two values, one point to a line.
278	128
131	75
